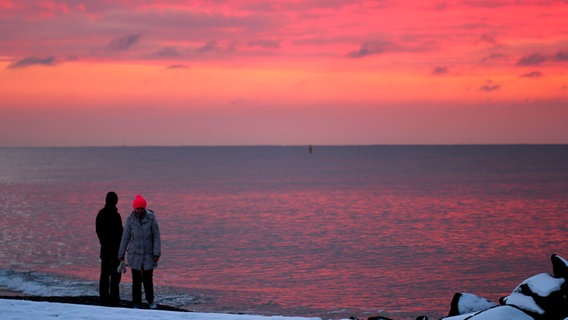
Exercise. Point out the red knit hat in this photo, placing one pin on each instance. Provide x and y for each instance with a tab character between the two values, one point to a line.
139	202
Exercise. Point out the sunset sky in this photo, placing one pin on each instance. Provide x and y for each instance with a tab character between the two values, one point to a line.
333	72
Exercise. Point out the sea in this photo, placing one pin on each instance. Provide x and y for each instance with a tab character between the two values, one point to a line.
331	232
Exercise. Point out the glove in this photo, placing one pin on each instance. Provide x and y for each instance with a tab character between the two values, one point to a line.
121	267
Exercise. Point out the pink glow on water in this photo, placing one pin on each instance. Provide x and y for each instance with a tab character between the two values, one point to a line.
380	233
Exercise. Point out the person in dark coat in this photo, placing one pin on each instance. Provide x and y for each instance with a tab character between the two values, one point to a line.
109	230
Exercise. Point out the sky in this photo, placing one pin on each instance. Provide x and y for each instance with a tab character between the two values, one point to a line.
322	72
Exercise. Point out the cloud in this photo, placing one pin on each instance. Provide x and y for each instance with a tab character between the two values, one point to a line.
177	66
537	59
534	59
440	70
489	86
561	56
372	48
492	57
492	4
488	38
210	46
533	74
123	43
167	52
32	61
441	6
174	25
408	43
213	48
267	44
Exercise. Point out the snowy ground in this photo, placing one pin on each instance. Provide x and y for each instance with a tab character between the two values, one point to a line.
25	310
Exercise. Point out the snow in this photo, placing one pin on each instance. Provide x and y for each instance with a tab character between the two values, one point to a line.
472	303
543	284
525	302
501	313
25	310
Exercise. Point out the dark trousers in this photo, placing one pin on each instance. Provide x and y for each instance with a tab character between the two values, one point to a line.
140	277
109	282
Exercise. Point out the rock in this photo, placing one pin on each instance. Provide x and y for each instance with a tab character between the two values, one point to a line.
463	303
540	297
385	318
559	266
495	313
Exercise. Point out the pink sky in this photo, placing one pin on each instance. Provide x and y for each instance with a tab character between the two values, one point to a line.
90	73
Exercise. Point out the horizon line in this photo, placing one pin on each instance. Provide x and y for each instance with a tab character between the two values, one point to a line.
294	145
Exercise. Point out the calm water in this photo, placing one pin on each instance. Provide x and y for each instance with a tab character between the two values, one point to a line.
367	230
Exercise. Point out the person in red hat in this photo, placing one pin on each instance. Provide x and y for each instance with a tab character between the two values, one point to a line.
141	239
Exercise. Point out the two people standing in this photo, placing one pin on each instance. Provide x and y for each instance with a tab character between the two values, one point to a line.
140	238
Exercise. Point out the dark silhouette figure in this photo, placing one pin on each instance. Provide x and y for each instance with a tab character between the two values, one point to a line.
109	230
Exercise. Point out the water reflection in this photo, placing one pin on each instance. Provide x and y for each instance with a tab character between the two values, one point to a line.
399	231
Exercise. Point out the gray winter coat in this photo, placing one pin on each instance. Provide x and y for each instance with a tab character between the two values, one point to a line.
141	239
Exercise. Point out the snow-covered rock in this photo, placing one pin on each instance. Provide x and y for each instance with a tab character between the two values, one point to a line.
464	303
540	297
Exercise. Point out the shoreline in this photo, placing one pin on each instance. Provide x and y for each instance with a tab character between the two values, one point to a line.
89	300
84	300
94	300
9	294
14	309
